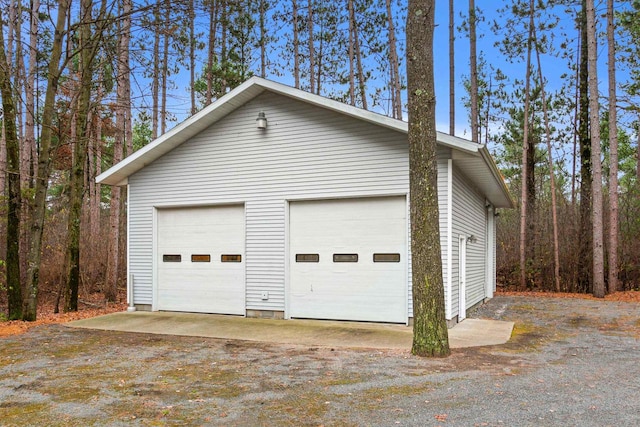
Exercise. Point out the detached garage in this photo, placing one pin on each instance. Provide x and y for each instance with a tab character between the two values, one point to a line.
274	202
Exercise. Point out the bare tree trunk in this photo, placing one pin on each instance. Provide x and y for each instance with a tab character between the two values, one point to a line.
452	74
213	28
25	129
31	154
312	82
352	81
12	23
263	41
576	116
223	45
88	44
638	154
3	165
358	54
30	113
430	334
192	54
123	124
613	153
525	158
155	85
296	45
474	71
96	169
394	66
164	78
554	205
54	72
90	173
585	235
14	288
596	190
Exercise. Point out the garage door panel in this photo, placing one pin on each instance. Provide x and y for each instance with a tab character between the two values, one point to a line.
363	290
209	287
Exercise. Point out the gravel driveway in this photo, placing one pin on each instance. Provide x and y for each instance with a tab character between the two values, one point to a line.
570	362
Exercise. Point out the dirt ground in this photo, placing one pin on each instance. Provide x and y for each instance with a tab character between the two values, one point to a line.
570	362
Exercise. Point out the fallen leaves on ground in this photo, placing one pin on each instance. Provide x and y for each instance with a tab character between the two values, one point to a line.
626	296
89	306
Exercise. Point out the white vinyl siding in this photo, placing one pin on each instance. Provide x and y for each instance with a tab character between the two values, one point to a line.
266	253
469	218
306	153
444	198
443	173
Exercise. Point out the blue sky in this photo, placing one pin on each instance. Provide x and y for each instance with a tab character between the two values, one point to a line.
553	67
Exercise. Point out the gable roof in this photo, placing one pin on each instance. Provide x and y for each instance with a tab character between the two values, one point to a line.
472	159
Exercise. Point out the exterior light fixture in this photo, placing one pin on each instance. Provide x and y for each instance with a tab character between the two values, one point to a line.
472	239
261	120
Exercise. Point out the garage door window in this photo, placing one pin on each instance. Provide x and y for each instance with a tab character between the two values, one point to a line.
386	257
231	258
345	257
200	258
307	258
171	258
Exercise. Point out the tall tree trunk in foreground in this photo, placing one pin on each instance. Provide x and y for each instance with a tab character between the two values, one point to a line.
524	202
596	164
474	71
585	254
613	153
14	288
430	334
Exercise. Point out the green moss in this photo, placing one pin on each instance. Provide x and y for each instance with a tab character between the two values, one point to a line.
23	413
301	409
216	381
74	393
341	380
383	393
526	337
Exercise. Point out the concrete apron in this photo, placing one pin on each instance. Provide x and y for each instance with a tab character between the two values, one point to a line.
323	333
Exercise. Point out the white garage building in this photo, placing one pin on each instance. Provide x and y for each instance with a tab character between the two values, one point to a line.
304	218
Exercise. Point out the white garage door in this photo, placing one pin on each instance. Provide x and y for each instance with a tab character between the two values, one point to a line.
200	259
348	259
